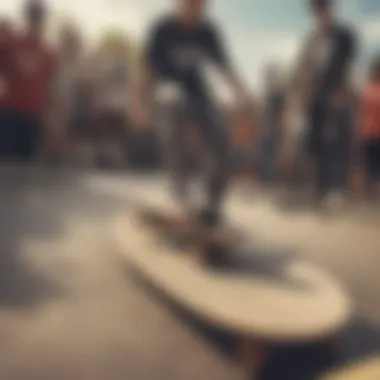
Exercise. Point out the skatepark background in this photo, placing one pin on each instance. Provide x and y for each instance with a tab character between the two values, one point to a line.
276	40
70	310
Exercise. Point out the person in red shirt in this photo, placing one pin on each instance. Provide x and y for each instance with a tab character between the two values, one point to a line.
33	75
6	44
6	76
370	129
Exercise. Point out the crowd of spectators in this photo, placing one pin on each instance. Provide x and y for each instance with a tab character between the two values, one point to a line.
65	103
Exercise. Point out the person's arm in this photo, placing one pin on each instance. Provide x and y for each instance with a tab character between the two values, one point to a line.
234	81
219	57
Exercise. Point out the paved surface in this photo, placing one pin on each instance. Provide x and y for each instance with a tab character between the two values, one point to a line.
346	244
69	310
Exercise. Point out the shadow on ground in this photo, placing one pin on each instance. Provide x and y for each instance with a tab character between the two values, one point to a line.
37	204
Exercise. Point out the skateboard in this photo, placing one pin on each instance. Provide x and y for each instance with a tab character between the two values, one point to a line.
294	302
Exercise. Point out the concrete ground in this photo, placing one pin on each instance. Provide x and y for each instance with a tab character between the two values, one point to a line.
69	309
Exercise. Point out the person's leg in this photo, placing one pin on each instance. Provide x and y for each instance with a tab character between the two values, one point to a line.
266	159
6	125
336	140
272	162
176	146
344	158
377	169
33	140
369	153
322	149
114	144
293	160
100	136
214	130
323	170
26	138
312	145
16	136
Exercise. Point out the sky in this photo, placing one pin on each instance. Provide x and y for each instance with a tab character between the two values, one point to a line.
258	32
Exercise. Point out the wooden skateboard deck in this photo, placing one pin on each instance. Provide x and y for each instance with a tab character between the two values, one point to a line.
294	302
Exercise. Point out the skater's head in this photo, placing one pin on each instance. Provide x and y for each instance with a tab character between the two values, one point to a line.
323	11
192	11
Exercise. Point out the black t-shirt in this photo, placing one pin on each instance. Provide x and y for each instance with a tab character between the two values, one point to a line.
176	53
329	55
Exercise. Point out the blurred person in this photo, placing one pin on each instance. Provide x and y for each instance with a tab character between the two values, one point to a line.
7	41
369	130
34	73
271	125
293	147
329	55
339	148
74	92
112	106
178	47
244	129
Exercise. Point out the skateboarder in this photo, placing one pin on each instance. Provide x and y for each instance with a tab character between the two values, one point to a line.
177	48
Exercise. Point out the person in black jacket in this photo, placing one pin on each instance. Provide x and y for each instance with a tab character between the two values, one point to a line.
329	56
